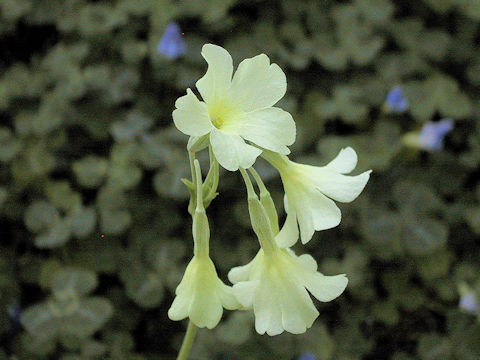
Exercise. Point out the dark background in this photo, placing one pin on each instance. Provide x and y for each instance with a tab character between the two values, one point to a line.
93	215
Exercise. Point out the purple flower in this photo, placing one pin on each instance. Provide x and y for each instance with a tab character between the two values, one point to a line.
172	44
432	134
306	356
468	302
396	100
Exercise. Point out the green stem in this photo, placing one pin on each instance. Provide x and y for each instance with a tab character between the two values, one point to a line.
258	180
248	183
200	228
267	201
258	217
187	341
191	158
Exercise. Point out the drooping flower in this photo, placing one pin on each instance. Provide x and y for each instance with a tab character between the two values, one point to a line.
237	109
201	295
396	100
275	283
172	44
430	137
309	191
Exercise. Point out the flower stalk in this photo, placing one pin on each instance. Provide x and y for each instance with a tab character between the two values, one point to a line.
187	343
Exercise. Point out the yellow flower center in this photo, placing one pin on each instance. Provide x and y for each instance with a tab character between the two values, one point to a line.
217	121
223	114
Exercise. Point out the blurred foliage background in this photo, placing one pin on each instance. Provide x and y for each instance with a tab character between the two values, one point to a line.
95	233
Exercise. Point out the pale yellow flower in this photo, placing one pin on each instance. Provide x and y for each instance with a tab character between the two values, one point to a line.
309	191
237	109
201	295
275	285
276	281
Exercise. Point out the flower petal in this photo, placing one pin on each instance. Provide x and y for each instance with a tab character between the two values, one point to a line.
344	162
314	212
288	234
216	82
270	128
325	288
298	311
231	151
257	84
239	273
268	313
191	116
244	292
225	293
206	309
339	187
308	262
179	309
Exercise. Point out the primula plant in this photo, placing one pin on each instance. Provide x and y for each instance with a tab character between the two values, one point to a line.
237	122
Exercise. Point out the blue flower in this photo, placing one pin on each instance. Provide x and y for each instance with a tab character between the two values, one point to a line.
172	44
432	134
468	302
306	356
396	100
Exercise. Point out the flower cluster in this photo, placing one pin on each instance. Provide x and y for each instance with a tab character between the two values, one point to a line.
238	122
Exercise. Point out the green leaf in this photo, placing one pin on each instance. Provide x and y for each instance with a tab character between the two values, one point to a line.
382	229
472	215
318	341
38	346
93	348
423	236
236	329
90	171
79	281
40	216
376	11
123	171
48	269
81	221
99	254
144	287
114	222
435	265
377	149
167	181
61	195
56	236
416	198
90	317
386	311
9	145
124	175
434	347
437	93
136	124
471	8
40	322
